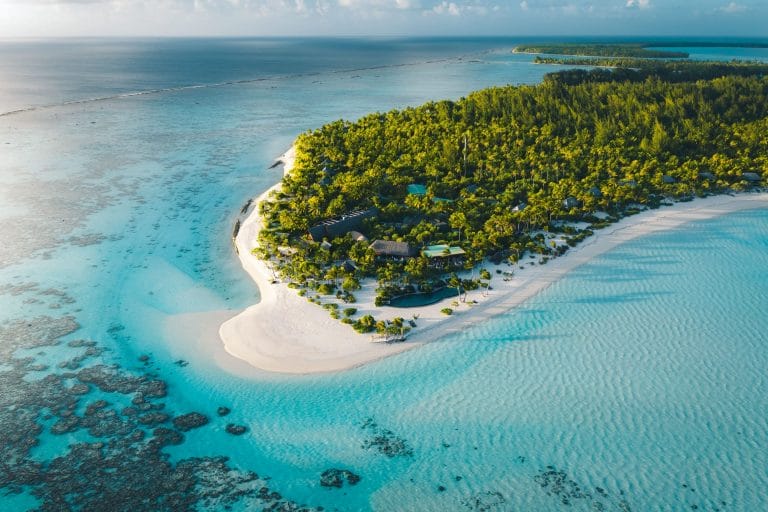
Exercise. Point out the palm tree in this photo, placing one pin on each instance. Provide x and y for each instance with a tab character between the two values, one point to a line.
455	282
484	274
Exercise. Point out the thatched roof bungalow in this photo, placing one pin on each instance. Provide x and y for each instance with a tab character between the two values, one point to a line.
389	249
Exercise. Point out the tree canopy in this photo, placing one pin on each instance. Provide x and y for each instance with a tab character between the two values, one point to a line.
505	161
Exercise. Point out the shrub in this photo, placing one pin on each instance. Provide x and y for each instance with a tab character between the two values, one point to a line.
446	311
350	283
326	289
350	311
302	292
365	324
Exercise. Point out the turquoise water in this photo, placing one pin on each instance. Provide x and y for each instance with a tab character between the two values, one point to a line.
423	299
641	374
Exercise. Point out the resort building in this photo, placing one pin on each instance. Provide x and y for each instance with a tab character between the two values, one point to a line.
390	250
570	202
340	226
442	256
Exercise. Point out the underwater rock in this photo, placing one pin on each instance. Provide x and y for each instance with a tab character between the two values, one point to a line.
485	501
79	389
223	411
557	484
335	478
167	436
236	430
153	418
385	441
65	425
189	421
126	469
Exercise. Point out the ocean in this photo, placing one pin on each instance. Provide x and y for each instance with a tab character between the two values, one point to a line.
635	383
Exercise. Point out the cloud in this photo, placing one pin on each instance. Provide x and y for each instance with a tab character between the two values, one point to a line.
379	4
449	8
638	4
390	17
732	8
563	6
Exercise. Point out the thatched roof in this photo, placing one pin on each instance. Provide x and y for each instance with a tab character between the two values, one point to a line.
391	248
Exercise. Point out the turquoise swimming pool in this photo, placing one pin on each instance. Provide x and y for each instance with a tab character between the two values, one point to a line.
423	299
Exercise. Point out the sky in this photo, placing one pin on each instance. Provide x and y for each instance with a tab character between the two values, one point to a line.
48	18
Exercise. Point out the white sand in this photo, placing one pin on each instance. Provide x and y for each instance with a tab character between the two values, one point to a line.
287	334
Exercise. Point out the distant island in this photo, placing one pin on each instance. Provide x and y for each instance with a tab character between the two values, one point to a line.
384	216
629	50
601	50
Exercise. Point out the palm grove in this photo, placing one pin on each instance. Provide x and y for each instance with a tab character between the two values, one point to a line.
504	163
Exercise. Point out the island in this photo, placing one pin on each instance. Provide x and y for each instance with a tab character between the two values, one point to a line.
405	226
601	50
630	50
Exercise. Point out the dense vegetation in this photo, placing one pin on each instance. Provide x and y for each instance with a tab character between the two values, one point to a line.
600	50
640	70
579	143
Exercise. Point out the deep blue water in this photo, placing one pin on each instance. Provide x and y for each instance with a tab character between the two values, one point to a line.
638	381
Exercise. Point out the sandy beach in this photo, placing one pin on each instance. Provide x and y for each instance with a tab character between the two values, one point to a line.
285	333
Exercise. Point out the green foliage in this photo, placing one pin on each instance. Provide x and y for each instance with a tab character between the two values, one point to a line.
601	50
365	324
510	161
326	289
446	311
350	311
350	283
